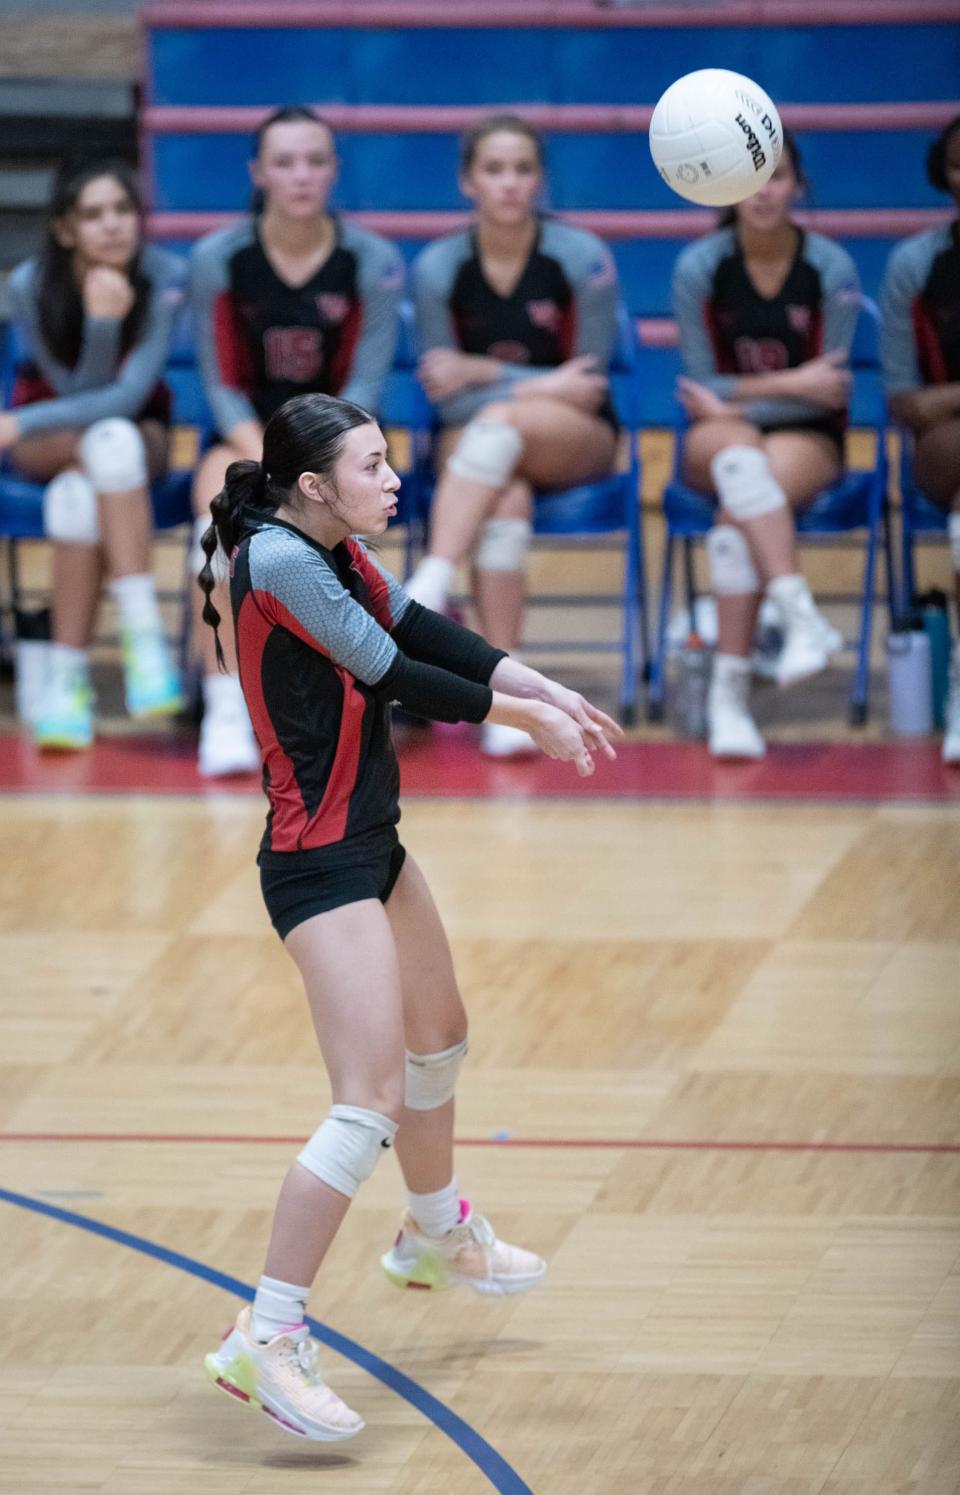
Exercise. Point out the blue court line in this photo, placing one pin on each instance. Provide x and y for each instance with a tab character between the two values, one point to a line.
501	1475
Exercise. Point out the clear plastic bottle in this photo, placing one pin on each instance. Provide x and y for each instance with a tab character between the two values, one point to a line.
693	683
908	678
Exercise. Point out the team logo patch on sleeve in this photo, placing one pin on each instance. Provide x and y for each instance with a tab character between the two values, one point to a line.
602	272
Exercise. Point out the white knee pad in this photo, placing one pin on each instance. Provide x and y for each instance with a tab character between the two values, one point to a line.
70	509
732	572
431	1079
953	530
503	545
487	452
114	456
347	1147
196	557
744	483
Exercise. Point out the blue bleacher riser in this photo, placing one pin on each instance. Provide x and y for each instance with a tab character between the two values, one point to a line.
480	65
645	267
392	172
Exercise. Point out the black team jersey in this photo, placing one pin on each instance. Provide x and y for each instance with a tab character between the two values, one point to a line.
921	311
728	329
326	641
563	305
261	341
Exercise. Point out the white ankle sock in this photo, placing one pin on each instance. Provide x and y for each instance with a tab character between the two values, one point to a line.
223	693
438	1212
63	660
136	599
786	589
277	1306
430	583
725	665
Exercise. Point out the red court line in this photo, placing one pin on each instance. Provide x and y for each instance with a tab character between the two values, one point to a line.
629	1144
175	119
679	223
445	763
187	14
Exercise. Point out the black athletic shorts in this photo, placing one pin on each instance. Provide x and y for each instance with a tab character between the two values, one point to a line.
826	427
298	884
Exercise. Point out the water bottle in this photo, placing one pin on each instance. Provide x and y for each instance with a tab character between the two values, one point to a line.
936	625
908	677
692	687
30	657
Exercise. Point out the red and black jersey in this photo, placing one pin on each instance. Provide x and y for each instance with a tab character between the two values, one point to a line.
564	305
729	330
756	334
260	341
921	311
325	641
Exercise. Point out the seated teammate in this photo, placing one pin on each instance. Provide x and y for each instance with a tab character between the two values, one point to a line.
921	360
95	312
516	319
292	300
766	314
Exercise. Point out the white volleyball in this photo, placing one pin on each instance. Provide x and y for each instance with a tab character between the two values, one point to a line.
715	137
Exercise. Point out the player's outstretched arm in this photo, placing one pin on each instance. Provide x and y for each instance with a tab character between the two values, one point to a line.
511	678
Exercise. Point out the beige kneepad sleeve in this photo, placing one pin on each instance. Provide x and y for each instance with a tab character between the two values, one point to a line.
744	483
488	452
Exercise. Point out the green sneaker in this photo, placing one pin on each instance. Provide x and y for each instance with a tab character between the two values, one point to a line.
66	721
151	684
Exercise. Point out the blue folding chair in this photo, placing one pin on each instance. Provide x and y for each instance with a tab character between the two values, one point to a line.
609	507
921	521
858	501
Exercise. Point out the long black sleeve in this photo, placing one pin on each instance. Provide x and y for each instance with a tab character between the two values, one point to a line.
433	639
426	690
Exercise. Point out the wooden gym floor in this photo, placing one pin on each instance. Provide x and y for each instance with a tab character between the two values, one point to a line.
714	1077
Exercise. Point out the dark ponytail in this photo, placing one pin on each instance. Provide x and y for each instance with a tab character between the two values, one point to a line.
304	435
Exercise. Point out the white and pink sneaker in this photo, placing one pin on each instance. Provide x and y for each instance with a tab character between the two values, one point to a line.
282	1379
469	1255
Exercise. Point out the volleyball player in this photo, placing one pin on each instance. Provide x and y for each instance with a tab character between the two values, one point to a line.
516	320
292	299
325	642
921	357
95	312
766	314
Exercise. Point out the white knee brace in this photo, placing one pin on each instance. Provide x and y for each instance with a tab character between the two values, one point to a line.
487	452
70	509
953	530
196	556
503	545
744	483
732	572
114	456
347	1147
431	1079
